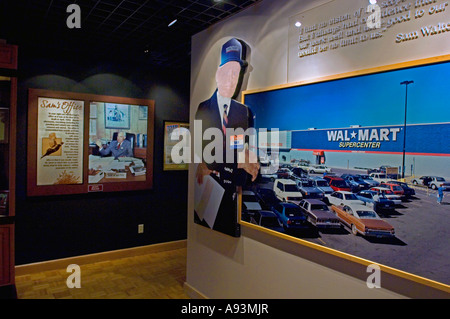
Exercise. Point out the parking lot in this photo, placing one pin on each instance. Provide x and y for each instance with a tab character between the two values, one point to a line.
422	236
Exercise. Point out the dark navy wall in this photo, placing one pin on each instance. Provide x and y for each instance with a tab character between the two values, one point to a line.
54	227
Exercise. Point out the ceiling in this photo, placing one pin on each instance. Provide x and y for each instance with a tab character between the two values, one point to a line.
128	28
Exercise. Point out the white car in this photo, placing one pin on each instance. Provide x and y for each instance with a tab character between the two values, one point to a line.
343	198
287	191
388	193
318	169
379	177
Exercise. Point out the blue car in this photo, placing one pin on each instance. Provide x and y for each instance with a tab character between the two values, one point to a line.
291	216
356	183
377	201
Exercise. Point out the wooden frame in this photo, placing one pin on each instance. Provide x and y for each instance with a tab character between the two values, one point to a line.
427	283
167	165
128	184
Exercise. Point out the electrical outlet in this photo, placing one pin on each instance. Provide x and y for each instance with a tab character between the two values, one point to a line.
140	228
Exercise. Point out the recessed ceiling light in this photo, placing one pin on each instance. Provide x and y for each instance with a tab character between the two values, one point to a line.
298	24
172	23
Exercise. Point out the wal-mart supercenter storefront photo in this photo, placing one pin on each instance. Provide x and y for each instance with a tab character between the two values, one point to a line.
358	164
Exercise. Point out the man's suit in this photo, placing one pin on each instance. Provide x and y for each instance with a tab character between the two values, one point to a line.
239	116
123	150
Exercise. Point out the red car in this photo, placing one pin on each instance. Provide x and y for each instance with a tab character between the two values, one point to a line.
284	173
395	188
337	183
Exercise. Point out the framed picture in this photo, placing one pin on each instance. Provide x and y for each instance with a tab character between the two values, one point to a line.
4	194
356	177
117	116
80	143
143	112
4	125
174	133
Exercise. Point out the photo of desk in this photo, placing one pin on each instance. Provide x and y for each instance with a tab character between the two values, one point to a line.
110	170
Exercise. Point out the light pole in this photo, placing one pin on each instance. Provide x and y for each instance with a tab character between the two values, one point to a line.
405	83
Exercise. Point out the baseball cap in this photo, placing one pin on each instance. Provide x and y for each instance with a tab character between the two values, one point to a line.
233	50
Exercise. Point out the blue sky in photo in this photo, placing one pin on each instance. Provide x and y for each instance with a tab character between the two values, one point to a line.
368	100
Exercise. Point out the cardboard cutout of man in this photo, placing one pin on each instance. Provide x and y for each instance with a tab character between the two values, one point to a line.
222	112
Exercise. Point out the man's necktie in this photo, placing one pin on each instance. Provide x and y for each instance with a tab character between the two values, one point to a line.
118	146
225	119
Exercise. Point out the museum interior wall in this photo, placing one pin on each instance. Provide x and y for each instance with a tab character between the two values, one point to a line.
52	227
257	264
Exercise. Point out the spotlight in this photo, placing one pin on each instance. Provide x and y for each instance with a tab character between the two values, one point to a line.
172	23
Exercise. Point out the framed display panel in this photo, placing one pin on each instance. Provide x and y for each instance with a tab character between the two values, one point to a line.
79	143
173	132
359	123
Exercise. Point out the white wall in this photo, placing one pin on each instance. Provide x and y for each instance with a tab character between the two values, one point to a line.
258	265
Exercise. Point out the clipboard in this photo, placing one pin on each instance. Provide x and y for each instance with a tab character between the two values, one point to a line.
207	199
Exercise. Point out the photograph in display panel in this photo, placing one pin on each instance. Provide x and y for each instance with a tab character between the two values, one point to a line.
358	164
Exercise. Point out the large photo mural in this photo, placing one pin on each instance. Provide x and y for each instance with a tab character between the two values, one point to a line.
358	164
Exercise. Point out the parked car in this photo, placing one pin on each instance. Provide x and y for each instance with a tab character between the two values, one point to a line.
379	177
319	214
437	182
267	197
408	191
322	184
369	180
396	189
269	176
287	191
363	220
291	216
342	198
388	193
337	183
284	172
308	190
422	180
267	219
249	201
377	201
299	172
318	169
431	181
355	182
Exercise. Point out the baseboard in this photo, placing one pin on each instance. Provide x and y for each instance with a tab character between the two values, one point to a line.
92	258
192	292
